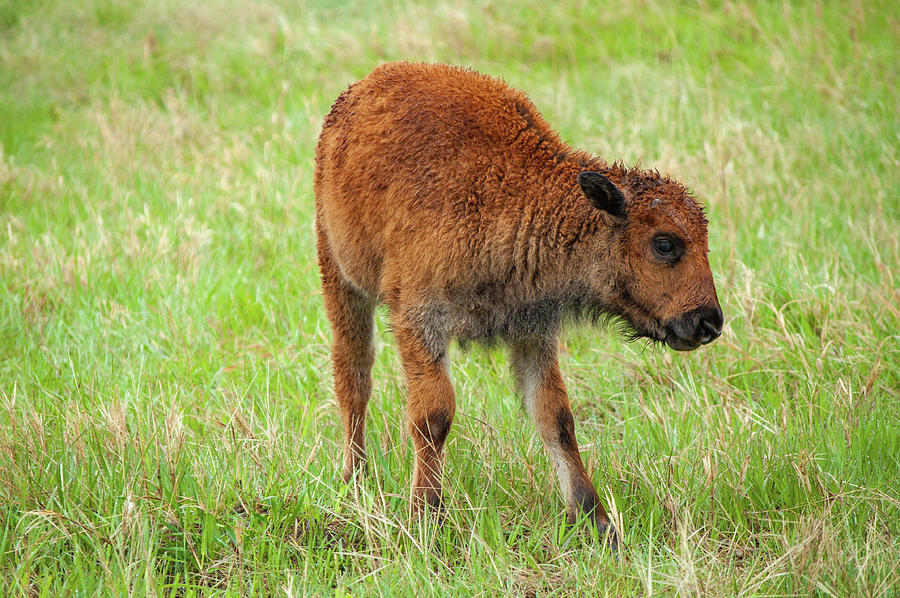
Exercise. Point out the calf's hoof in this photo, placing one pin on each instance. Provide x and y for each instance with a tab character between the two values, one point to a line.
606	532
355	473
427	501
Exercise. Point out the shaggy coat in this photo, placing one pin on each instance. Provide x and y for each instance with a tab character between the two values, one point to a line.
444	194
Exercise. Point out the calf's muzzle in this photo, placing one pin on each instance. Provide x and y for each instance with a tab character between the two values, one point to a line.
694	328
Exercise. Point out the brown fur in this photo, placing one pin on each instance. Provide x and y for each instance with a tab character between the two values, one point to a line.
444	194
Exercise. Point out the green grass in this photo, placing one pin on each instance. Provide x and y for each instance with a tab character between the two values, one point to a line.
167	420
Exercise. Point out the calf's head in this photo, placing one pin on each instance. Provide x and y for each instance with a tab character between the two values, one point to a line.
662	285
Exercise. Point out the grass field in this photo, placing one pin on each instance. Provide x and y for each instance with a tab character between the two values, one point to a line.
167	420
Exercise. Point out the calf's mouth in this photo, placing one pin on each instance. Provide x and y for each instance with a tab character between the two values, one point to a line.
697	327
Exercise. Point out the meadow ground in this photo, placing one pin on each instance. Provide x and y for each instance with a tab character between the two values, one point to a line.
167	421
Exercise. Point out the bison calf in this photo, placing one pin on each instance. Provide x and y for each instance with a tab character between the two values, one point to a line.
445	195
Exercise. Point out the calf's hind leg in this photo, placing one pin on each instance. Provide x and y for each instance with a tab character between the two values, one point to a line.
540	382
351	315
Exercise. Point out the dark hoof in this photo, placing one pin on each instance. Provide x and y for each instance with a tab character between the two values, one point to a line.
428	502
606	532
356	472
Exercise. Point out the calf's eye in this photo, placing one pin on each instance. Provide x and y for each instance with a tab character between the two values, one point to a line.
665	248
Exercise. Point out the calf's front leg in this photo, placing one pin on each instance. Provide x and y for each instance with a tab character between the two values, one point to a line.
544	394
430	407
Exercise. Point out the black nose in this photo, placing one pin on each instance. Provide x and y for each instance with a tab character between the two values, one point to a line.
709	324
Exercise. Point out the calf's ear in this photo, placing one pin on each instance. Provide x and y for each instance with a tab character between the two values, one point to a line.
602	193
